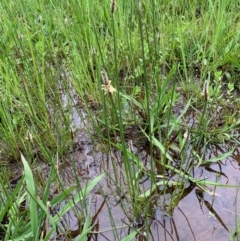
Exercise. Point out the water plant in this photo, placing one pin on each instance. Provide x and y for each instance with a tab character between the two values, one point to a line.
155	86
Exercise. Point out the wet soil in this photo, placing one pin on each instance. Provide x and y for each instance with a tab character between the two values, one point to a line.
198	215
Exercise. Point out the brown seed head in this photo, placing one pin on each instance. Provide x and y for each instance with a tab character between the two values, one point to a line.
113	6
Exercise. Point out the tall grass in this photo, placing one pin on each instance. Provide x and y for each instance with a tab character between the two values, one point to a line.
136	68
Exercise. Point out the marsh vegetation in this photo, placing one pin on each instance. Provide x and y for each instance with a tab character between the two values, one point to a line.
119	120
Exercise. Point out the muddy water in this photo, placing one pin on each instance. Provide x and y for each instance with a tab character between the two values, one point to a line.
198	216
192	219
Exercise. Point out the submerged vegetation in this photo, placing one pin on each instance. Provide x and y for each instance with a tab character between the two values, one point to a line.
151	85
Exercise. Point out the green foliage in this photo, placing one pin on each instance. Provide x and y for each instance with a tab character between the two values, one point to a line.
28	215
162	60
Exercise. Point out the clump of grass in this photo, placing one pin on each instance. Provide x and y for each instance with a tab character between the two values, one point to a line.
28	214
151	109
134	65
33	119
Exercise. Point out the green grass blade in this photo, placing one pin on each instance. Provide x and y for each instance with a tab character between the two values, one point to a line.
77	198
85	231
31	193
130	236
218	158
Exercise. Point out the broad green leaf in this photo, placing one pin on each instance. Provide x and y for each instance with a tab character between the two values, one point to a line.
85	231
59	198
197	181
161	147
77	198
132	100
130	236
31	193
217	158
150	190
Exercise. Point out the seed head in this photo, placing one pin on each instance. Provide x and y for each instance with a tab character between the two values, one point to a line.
113	6
107	87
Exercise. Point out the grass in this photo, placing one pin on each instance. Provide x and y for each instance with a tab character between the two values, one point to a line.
136	71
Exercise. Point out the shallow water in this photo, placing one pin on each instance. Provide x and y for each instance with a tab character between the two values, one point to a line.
198	216
206	218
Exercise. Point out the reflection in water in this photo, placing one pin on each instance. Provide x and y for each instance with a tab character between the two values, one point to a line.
215	215
200	215
203	215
